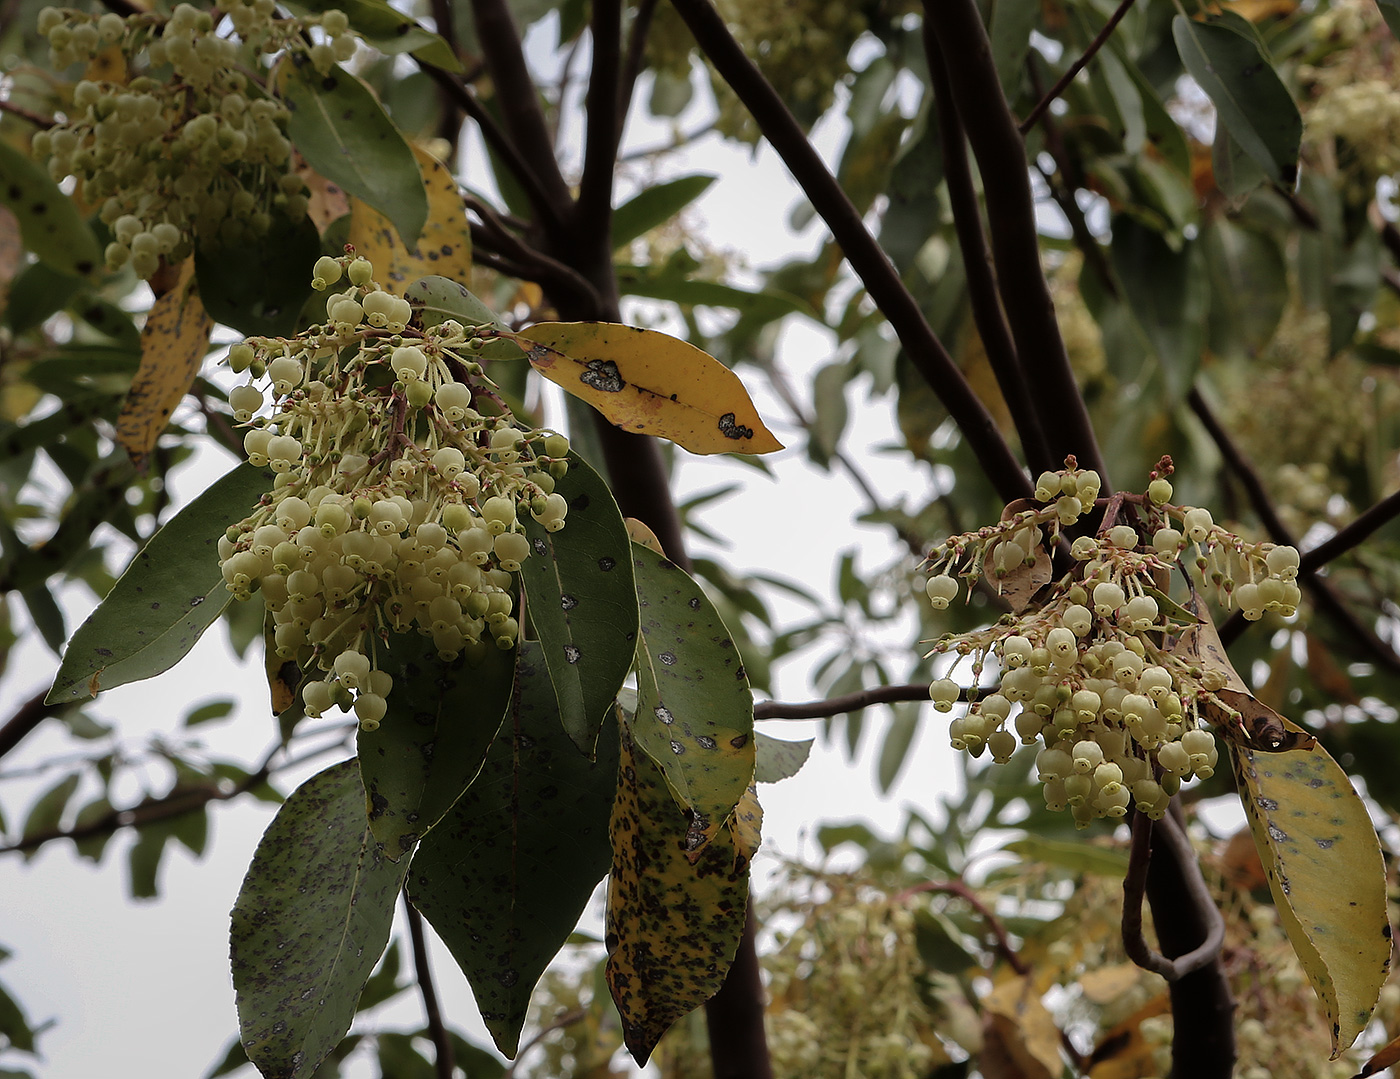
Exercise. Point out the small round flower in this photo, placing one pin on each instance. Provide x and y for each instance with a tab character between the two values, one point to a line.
1108	597
245	400
1174	759
1015	651
498	513
944	693
1198	524
1283	562
1159	491
449	462
1077	619
1002	744
1084	548
408	362
370	709
325	273
352	668
941	591
319	698
1062	645
1087	755
1139	613
512	548
1167	542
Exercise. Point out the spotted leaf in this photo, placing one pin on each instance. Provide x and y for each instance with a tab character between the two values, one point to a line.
311	920
505	876
1325	870
436	299
169	595
651	383
673	926
442	717
49	221
173	343
694	709
582	599
444	247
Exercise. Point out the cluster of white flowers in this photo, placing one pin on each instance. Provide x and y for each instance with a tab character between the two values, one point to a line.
397	504
1088	668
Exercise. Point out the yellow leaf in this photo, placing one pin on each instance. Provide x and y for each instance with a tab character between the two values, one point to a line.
109	65
173	343
445	246
325	202
1122	1052
638	532
1108	984
1325	870
746	827
651	383
1022	1030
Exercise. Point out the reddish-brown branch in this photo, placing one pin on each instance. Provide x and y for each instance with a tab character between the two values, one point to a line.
962	891
1075	68
24	719
437	1031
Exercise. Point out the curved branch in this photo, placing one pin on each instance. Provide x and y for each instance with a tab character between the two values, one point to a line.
1025	294
866	257
25	718
962	891
1134	888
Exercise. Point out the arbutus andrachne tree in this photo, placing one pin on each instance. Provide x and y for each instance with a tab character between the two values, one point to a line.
1127	271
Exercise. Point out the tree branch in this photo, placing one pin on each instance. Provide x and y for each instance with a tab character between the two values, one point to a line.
981	279
25	718
865	256
734	1015
1025	294
442	1043
636	50
1324	596
962	891
604	108
1134	888
1075	68
847	702
1384	511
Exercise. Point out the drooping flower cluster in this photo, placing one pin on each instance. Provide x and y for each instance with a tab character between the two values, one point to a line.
185	148
1101	666
397	504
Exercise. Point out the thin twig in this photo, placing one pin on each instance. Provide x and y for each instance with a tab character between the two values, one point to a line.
981	279
869	261
34	118
854	702
1075	68
1324	596
559	1022
437	1031
1135	887
25	718
1384	511
962	891
636	53
535	265
1001	160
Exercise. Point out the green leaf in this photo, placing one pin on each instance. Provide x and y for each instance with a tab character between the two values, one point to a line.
582	599
14	1027
169	595
93	846
46	615
49	221
310	923
347	137
438	299
1390	12
672	927
776	758
46	814
259	286
1249	97
1249	283
143	861
894	750
1126	99
388	30
1010	39
914	209
694	710
1235	173
655	205
1072	855
505	876
1168	295
441	720
207	713
1326	873
829	401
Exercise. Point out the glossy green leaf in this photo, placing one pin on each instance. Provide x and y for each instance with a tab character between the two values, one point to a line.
894	750
259	286
438	299
429	747
310	923
92	847
694	710
169	595
14	1027
673	926
49	221
1328	878
655	205
1126	99
831	413
143	861
776	758
582	599
1010	37
1235	172
207	713
1169	296
1078	857
345	135
1249	97
505	876
390	31
1390	12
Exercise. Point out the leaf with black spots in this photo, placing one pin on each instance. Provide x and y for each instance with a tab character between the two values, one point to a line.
694	709
310	923
506	874
673	924
169	595
581	594
442	717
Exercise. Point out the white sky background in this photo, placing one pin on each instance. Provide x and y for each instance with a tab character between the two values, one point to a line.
143	988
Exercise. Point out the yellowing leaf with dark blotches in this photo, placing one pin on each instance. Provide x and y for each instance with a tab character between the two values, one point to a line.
1325	870
443	248
173	342
650	383
672	927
